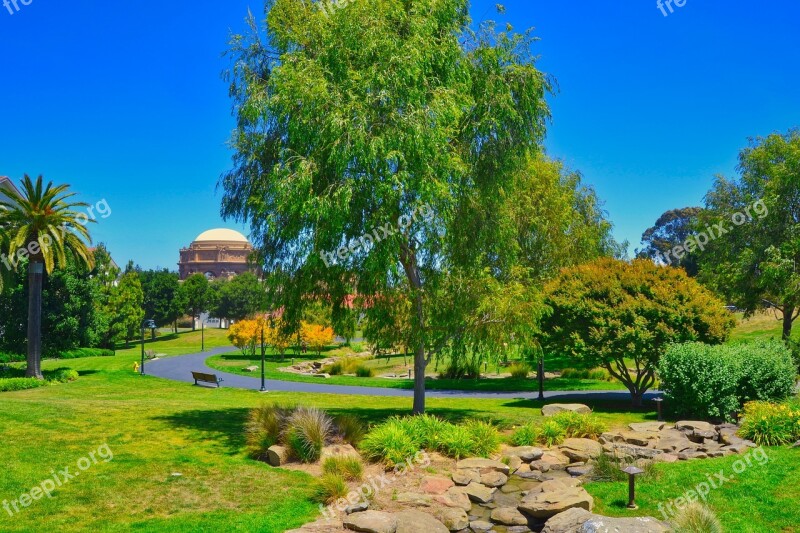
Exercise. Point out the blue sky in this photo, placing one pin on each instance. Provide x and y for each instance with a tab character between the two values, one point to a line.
125	102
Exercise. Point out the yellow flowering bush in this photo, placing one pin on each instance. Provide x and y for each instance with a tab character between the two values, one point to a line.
771	424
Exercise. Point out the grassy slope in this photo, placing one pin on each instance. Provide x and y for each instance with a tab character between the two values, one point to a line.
155	428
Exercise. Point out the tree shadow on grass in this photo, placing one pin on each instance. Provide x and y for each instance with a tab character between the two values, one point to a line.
225	426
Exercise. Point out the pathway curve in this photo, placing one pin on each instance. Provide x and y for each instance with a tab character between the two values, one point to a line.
179	368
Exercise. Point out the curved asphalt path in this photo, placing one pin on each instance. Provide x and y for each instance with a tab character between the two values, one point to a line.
180	368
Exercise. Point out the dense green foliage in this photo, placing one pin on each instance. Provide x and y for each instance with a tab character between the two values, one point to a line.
672	229
238	298
771	424
608	312
716	381
555	429
163	298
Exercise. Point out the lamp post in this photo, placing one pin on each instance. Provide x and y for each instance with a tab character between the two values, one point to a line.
632	472
202	335
658	407
147	324
263	362
540	372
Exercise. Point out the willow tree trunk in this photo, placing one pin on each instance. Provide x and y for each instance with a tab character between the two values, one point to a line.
788	319
408	259
35	281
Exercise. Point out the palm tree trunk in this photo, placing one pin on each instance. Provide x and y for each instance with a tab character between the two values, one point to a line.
35	281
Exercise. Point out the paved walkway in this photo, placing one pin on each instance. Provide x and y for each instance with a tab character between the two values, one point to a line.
179	368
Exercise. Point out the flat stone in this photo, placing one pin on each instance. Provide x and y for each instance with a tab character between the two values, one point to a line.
579	471
526	453
555	408
465	477
555	485
338	450
371	522
480	525
694	426
647	427
518	529
435	484
494	479
581	521
672	440
634	452
555	459
509	516
454	519
637	438
483	465
455	498
418	522
278	455
547	504
417	500
357	508
666	458
581	450
685	456
252	369
479	493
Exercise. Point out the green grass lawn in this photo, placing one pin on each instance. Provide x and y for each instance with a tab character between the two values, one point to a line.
156	428
760	499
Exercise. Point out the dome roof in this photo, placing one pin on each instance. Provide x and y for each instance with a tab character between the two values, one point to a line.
221	235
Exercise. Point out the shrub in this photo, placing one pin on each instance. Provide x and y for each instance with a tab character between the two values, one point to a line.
519	370
599	374
484	436
17	384
6	357
264	428
769	424
427	430
349	467
527	435
364	372
350	429
462	370
358	347
715	381
331	487
307	433
64	375
696	518
79	353
551	433
390	442
577	425
608	468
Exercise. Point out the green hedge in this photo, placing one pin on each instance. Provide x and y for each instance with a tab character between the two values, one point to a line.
7	357
15	384
714	382
86	352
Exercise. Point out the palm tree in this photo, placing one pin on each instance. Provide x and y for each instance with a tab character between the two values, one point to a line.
44	225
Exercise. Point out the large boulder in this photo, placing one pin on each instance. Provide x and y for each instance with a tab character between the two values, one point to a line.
371	522
508	516
465	477
338	450
494	479
555	408
435	485
647	427
417	522
582	521
526	453
547	504
483	465
479	493
454	519
581	450
455	497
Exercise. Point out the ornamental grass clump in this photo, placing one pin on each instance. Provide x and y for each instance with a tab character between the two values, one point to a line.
308	431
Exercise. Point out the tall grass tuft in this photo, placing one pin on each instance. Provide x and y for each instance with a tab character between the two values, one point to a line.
264	427
350	429
330	488
347	466
308	431
696	518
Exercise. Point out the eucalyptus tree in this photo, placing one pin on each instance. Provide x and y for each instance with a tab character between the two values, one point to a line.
45	226
367	137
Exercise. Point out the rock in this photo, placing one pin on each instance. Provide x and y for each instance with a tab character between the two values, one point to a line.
455	498
633	451
508	516
672	440
252	369
526	453
357	508
480	525
435	485
454	519
637	438
579	471
685	456
796	444
647	427
547	504
417	522
581	450
581	521
465	477
371	522
555	485
338	450
518	529
514	463
555	460
417	500
323	376
694	425
494	479
555	408
666	458
483	465
479	493
277	455
739	448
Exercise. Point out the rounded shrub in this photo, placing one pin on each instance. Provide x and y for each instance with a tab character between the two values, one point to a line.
349	467
484	436
519	370
527	435
696	518
769	424
331	487
390	443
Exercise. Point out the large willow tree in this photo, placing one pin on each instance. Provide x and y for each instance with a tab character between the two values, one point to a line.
391	119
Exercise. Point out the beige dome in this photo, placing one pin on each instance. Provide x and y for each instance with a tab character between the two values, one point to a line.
221	235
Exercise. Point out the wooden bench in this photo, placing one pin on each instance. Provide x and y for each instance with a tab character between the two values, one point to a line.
206	378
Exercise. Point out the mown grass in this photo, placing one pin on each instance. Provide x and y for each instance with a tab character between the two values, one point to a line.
761	499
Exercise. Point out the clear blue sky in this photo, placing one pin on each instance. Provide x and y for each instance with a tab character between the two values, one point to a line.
124	101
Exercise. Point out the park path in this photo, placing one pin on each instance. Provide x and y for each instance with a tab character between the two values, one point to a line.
180	368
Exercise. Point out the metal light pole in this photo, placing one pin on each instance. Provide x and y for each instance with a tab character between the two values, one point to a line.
263	362
540	372
632	472
202	335
141	368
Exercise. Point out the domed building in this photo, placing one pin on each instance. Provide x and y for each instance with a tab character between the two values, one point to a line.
217	253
